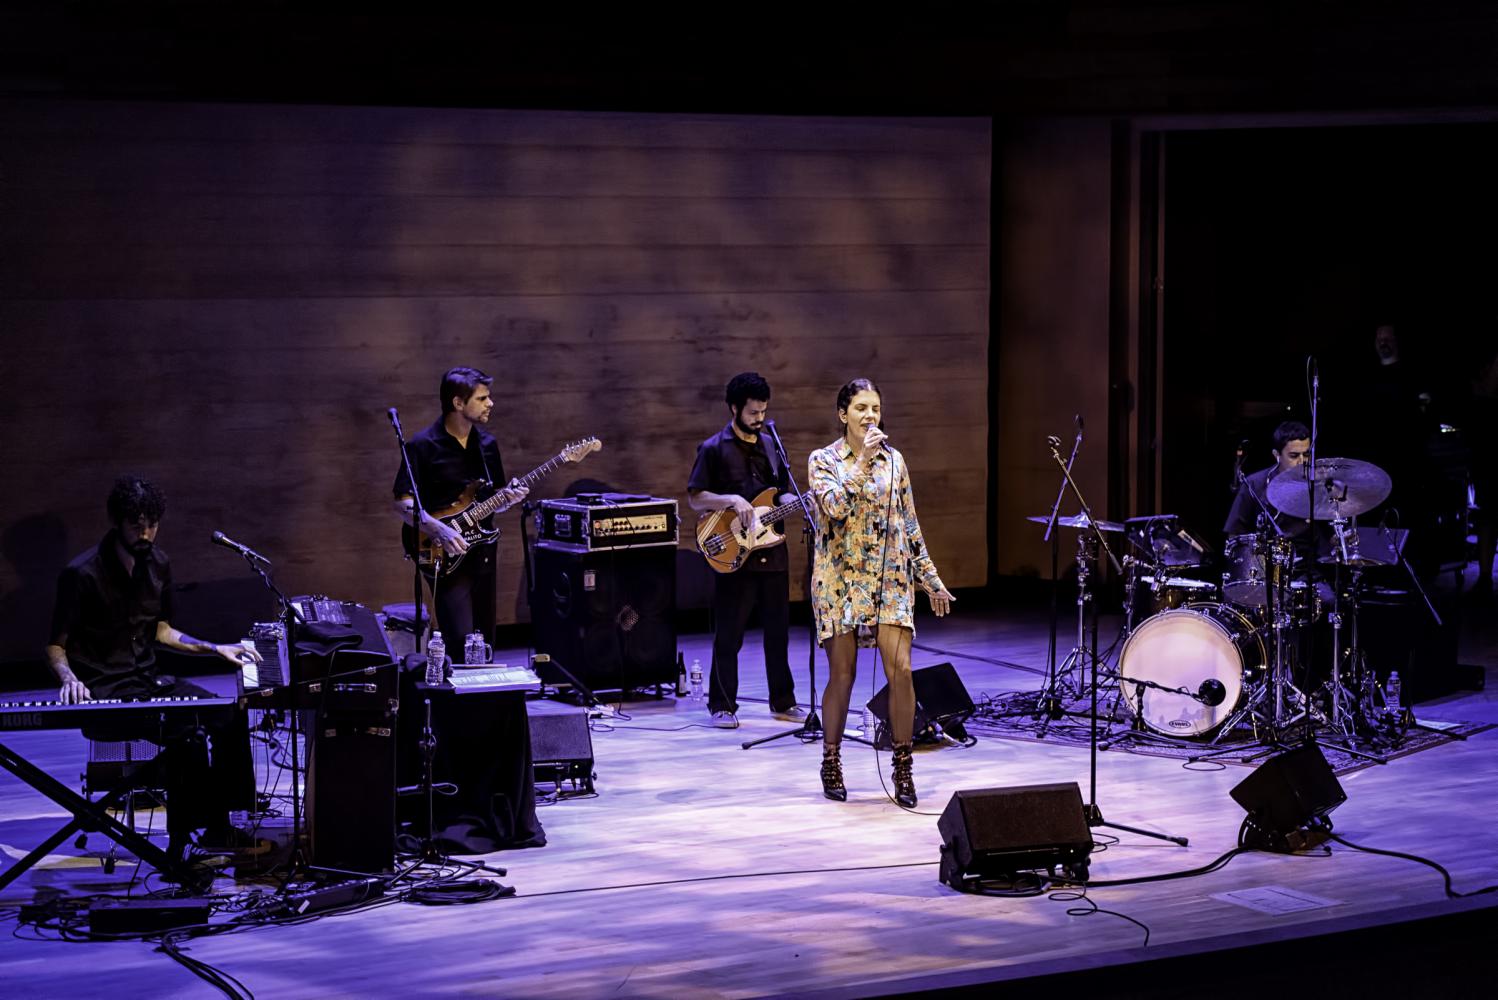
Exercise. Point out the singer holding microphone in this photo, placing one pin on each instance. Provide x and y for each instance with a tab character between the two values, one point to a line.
870	555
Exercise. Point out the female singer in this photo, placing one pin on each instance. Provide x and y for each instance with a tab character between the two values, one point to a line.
869	556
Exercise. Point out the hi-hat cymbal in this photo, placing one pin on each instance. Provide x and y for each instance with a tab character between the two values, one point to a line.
1343	487
1077	521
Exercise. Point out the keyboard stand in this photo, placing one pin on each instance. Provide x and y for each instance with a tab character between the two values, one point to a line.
89	817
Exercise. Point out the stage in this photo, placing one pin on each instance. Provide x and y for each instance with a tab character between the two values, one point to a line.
703	869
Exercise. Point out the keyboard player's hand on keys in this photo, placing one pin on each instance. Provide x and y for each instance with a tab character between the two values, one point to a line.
74	691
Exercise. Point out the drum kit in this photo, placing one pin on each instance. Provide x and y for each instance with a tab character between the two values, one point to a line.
1203	656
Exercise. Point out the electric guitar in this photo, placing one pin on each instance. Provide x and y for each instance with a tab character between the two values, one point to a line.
465	515
724	542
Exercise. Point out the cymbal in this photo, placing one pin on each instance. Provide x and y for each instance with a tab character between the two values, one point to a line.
1077	521
1343	487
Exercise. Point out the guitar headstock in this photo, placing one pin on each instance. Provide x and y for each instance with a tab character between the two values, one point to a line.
579	450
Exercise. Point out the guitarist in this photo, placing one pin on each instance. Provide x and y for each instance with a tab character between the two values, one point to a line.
733	466
446	457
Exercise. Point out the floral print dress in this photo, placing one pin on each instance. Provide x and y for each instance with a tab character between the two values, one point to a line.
856	526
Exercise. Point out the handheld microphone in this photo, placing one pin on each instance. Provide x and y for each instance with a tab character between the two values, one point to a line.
219	538
395	419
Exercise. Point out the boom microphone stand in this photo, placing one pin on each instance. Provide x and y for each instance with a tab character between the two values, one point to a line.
1049	704
416	511
291	617
1091	811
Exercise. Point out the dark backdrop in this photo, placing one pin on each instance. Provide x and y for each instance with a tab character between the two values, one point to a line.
1289	244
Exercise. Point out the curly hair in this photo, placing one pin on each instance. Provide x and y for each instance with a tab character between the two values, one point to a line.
744	387
134	498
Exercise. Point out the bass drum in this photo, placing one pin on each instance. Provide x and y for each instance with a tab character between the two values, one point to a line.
1183	649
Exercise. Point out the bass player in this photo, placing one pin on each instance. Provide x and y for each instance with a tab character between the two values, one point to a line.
734	466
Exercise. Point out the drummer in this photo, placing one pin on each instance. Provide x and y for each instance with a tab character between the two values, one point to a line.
1292	449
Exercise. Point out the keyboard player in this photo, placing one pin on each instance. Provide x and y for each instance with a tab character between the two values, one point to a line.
113	608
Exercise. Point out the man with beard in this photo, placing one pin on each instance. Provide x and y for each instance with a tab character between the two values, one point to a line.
114	606
733	467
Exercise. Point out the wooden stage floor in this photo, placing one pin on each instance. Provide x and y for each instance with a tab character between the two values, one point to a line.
702	869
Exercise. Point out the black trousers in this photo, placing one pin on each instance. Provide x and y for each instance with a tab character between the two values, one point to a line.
465	600
205	767
735	596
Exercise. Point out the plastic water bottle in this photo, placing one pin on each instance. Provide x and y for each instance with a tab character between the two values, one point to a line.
870	723
1392	692
436	657
696	679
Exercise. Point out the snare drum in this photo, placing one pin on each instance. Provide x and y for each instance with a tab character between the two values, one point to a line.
1182	648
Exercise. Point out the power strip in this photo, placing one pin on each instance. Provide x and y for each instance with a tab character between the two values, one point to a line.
146	916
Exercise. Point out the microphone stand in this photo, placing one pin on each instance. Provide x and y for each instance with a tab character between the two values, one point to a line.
1049	705
427	851
1091	811
1406	713
416	512
291	617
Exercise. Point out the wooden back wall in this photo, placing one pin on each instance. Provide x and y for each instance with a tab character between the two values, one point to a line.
228	298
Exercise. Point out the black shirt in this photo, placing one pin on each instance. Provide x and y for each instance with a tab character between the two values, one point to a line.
106	619
1243	517
728	465
444	467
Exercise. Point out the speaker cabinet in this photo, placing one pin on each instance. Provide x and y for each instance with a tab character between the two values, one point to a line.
940	700
561	744
351	792
607	617
1287	799
996	833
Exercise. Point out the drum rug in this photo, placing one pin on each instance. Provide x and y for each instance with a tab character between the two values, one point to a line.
1013	716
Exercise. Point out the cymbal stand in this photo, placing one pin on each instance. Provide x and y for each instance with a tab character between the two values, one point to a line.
1342	719
1278	560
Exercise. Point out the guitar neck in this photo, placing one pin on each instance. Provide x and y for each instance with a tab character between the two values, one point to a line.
780	513
483	509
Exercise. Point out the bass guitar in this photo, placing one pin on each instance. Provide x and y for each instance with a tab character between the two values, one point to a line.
726	544
466	515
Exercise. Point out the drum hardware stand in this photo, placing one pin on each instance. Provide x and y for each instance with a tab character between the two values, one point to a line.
1407	718
1091	810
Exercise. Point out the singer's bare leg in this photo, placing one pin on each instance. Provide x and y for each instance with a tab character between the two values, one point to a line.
842	664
